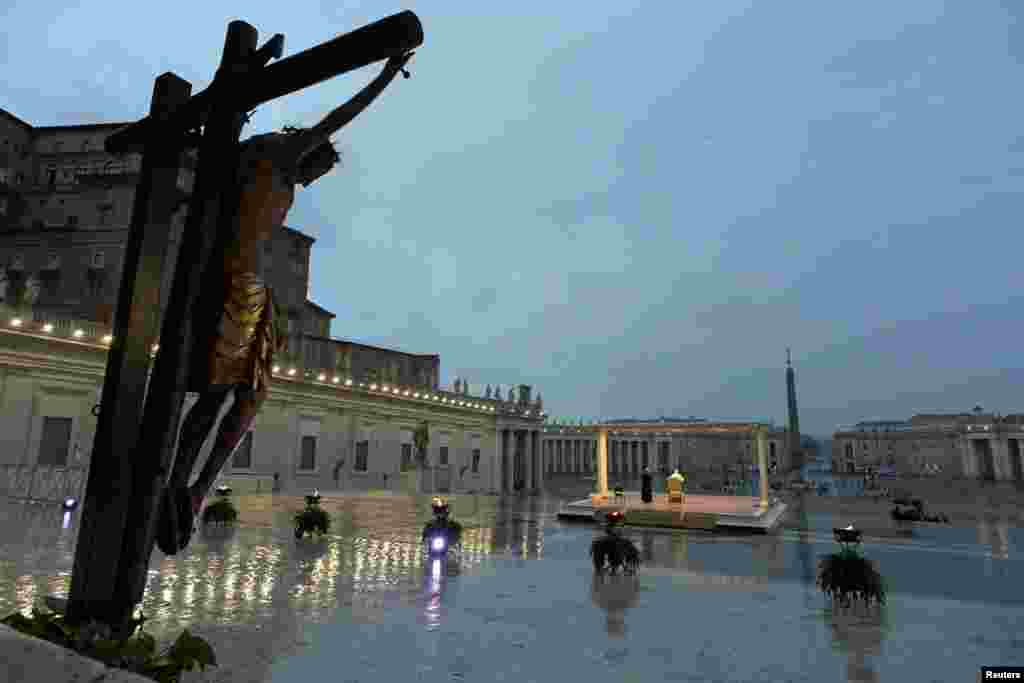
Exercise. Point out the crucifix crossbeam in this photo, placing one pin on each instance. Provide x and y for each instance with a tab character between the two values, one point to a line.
391	36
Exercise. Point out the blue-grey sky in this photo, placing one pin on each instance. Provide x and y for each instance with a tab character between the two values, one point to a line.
636	209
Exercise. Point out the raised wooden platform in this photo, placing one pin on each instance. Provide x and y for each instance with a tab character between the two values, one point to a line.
710	513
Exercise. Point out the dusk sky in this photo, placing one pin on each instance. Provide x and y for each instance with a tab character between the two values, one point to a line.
637	209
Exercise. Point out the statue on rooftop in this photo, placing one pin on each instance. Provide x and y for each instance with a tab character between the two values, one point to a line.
539	403
487	393
457	387
240	354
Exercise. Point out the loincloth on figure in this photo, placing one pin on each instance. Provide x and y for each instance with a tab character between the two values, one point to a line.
242	350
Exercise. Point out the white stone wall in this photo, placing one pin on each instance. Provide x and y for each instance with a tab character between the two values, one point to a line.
40	378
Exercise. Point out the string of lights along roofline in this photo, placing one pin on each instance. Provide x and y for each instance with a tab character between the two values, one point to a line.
79	336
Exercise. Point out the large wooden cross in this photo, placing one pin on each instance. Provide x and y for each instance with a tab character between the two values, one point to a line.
133	449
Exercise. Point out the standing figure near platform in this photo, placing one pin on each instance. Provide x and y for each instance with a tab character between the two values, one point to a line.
240	356
647	486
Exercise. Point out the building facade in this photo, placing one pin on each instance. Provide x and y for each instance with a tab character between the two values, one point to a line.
326	432
974	445
65	212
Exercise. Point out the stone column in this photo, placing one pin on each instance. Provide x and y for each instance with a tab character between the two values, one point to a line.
527	460
1000	457
965	456
496	462
541	470
762	464
1017	460
534	460
602	462
503	460
515	457
538	465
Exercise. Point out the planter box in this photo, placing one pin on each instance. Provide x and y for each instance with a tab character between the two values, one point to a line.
24	659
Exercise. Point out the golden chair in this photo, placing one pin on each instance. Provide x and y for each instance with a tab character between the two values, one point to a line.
675	491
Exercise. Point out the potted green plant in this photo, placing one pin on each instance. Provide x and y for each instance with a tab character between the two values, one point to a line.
612	551
846	576
312	518
222	510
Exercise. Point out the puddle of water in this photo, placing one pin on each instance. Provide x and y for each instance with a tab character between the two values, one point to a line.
521	601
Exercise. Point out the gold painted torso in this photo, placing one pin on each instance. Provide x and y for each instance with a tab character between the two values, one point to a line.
243	349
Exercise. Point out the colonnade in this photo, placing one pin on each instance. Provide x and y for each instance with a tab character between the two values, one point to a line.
569	455
995	458
519	460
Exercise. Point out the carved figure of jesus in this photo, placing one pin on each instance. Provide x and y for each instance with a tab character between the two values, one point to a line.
240	355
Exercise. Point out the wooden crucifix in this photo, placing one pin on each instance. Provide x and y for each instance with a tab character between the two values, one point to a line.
137	429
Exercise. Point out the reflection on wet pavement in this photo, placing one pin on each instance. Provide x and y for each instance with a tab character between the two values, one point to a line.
520	599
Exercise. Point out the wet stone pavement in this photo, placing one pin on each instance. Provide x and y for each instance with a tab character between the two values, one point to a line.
521	602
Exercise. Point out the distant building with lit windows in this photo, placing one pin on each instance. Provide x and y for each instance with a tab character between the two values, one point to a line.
975	445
